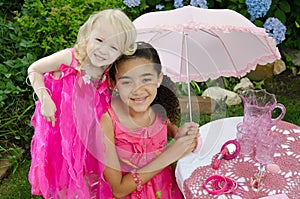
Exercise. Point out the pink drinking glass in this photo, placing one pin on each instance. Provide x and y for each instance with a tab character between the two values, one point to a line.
266	146
246	139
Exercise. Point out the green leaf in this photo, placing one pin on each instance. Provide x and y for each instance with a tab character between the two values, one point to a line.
27	44
297	24
288	58
7	75
153	2
232	7
258	23
3	69
284	6
9	63
17	137
279	14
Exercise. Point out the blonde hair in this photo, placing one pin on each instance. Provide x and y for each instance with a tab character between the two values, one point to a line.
121	23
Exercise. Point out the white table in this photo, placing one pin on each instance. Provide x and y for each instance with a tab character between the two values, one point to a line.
192	169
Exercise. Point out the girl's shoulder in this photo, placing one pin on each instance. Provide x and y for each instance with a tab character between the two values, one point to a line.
74	62
65	63
63	57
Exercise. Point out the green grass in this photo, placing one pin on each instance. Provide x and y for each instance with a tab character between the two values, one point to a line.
16	185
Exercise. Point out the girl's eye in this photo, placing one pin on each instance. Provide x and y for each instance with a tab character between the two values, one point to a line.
114	48
147	80
99	40
124	83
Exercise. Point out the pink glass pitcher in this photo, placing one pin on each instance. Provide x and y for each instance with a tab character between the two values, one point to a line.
258	108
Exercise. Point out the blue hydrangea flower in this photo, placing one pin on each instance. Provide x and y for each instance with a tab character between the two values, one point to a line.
159	7
258	8
201	3
275	29
132	3
178	3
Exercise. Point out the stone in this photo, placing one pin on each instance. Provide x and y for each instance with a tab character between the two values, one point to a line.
263	72
220	94
4	166
244	84
279	67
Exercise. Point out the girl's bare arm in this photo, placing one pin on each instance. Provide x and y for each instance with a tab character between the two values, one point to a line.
36	77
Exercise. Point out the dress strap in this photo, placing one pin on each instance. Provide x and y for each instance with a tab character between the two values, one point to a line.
74	62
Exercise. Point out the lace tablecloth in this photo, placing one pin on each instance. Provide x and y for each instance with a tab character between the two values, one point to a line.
192	170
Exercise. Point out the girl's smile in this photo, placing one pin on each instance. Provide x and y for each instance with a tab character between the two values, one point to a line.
139	100
99	58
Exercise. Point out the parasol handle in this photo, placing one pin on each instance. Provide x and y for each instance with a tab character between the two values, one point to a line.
187	74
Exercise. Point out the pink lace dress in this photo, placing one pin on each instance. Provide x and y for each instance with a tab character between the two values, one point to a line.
136	148
68	159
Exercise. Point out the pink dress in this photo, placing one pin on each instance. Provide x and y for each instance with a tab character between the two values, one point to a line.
136	148
68	159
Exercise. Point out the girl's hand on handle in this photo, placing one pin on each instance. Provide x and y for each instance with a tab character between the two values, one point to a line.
183	146
187	129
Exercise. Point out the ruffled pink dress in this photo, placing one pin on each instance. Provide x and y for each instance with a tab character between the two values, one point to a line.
68	159
136	148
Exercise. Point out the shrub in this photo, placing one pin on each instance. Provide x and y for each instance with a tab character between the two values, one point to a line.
39	28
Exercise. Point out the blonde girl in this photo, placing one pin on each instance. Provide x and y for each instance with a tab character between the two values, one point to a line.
72	90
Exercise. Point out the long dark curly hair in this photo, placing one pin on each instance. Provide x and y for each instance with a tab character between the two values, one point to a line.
166	102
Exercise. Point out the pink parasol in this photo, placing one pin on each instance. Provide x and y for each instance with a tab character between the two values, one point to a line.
200	44
213	42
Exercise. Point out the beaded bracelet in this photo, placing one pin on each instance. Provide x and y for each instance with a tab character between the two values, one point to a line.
31	72
215	179
217	184
137	180
231	185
